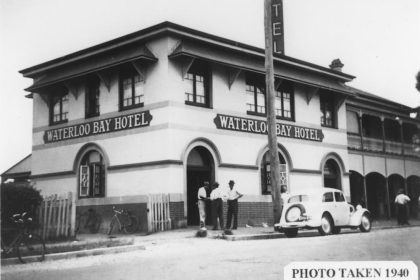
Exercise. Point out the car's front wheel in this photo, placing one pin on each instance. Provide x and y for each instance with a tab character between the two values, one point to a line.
326	225
365	223
291	232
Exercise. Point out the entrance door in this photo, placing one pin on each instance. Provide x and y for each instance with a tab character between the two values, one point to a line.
200	168
195	180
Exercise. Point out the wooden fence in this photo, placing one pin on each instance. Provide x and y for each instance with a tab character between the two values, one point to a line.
57	216
158	216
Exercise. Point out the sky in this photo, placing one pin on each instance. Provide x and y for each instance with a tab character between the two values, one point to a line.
378	41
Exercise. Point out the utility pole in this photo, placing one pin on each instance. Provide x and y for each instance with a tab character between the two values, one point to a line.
271	114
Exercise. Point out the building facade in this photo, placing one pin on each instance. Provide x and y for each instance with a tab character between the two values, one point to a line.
166	108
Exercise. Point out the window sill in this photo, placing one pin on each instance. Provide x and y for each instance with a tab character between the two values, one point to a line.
327	126
132	107
197	104
285	119
59	122
255	114
88	116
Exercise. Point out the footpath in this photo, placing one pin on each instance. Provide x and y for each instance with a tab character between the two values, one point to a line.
101	244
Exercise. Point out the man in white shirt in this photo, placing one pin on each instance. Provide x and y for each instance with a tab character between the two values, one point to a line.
232	199
401	201
217	196
203	197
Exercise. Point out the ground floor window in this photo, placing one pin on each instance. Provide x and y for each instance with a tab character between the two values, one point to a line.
92	175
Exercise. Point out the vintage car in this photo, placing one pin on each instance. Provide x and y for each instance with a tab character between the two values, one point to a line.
325	209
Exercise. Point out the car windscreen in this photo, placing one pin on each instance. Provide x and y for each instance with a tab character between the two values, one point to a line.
298	198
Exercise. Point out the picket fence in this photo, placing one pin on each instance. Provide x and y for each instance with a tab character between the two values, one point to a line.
158	216
57	216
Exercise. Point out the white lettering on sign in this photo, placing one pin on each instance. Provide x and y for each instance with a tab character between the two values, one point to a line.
98	127
260	127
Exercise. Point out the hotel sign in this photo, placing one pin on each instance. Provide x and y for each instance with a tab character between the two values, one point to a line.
260	127
277	26
119	123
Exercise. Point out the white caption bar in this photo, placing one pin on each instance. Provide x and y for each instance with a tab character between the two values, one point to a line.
372	270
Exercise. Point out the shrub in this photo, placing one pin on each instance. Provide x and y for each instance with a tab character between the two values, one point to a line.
17	198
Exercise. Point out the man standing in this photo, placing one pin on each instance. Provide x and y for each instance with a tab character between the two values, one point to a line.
216	198
203	196
401	201
232	199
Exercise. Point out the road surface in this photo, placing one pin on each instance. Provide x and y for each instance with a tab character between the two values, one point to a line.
195	258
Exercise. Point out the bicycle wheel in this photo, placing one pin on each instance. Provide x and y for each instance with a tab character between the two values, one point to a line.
111	225
131	225
31	247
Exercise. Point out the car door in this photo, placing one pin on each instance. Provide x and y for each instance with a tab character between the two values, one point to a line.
329	204
342	209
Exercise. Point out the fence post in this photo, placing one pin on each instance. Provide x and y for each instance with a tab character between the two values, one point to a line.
72	214
67	222
59	220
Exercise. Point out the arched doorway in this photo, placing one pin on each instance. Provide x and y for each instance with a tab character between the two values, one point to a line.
90	165
395	183
413	185
376	195
357	192
332	174
200	168
266	177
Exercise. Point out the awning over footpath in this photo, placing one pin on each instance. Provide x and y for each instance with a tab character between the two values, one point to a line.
285	68
20	171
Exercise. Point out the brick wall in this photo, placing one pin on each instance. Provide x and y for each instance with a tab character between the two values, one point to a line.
252	213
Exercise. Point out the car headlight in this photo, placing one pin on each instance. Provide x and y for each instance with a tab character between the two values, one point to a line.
293	214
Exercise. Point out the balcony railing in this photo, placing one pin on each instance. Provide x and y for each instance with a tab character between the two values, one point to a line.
393	147
354	141
373	144
377	145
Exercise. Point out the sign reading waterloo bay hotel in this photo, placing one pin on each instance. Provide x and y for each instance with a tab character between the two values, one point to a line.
260	127
124	122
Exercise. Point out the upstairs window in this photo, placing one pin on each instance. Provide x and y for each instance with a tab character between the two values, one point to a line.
327	111
255	96
131	90
197	83
284	102
92	97
59	108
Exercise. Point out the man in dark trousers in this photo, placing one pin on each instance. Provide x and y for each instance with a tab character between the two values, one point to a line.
232	200
216	198
401	201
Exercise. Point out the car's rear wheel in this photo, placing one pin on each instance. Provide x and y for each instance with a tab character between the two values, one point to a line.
326	225
365	223
336	230
291	232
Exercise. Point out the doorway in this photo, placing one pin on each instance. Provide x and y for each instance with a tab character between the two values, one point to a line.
200	168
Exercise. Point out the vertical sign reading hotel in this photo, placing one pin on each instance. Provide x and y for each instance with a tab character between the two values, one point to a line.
278	30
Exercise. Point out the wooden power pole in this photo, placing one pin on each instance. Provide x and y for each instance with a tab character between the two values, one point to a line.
271	114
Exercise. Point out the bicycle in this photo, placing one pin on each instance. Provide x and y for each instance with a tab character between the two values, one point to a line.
127	222
89	220
25	243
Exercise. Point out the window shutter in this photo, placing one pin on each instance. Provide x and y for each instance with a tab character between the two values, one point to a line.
97	180
84	181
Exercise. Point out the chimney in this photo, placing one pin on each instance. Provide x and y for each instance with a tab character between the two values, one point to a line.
336	65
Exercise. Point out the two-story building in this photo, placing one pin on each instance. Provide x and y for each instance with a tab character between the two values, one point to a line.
163	109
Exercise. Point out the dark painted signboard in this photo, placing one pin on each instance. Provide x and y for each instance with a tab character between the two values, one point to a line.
260	127
118	123
278	29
